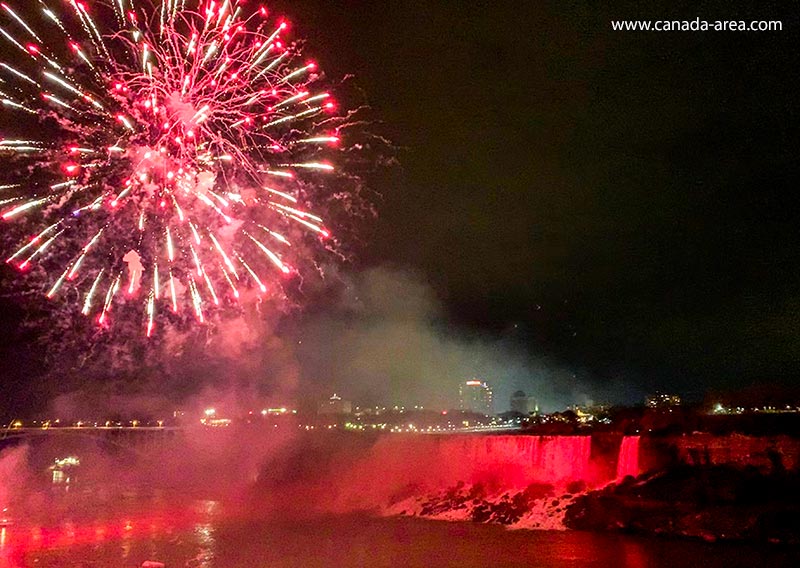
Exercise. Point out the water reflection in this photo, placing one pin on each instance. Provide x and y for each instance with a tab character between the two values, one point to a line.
210	533
635	554
206	538
204	533
126	540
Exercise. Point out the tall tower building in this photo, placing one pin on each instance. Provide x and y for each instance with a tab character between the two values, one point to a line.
476	396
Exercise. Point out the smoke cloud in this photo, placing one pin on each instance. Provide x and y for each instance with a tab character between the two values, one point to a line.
387	339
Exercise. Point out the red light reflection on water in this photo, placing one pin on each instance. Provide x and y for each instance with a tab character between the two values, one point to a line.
20	540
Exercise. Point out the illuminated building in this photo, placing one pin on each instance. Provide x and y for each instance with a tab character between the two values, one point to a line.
335	405
661	400
524	404
476	396
588	413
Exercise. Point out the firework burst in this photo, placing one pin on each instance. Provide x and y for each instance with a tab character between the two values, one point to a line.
180	147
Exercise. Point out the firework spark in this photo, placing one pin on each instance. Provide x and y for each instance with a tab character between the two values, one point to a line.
179	141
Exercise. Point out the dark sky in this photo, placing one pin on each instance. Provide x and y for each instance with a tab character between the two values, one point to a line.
625	199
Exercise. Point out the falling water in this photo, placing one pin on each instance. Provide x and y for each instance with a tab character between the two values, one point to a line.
628	461
504	462
521	460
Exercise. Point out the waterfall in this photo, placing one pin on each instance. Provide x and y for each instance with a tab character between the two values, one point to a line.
561	458
628	460
521	460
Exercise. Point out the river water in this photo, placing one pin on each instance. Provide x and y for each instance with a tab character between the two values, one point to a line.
207	533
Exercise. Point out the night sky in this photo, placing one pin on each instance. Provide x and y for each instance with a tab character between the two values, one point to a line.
636	187
619	202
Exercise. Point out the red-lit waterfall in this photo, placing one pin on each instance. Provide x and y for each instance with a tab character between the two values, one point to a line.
628	460
517	461
519	480
527	481
509	461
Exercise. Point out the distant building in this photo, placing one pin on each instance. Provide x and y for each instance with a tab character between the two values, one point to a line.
476	396
524	404
662	400
586	413
335	405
